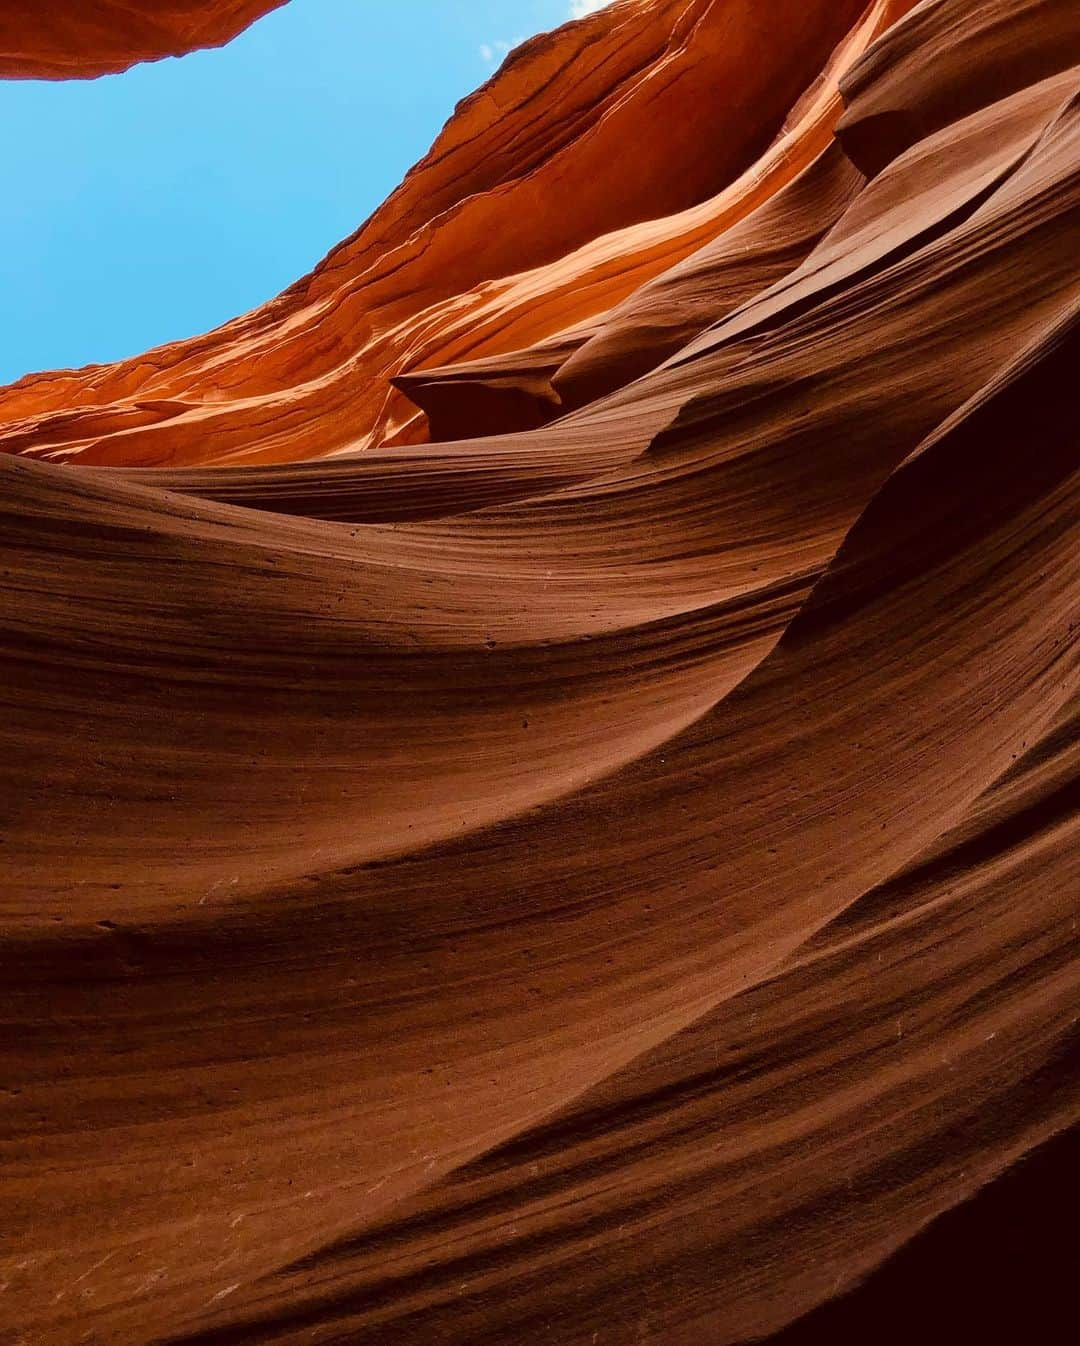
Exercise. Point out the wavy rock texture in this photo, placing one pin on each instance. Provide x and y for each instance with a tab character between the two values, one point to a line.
607	875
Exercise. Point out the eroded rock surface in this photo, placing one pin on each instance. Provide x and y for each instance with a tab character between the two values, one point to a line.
608	875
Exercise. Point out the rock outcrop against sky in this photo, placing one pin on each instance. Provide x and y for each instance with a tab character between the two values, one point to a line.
539	767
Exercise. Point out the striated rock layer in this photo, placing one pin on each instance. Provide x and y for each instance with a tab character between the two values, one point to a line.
540	767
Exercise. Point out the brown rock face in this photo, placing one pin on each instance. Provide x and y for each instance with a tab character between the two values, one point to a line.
945	60
81	39
539	768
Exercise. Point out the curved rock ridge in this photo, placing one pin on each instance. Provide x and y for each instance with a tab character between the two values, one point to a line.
606	872
944	61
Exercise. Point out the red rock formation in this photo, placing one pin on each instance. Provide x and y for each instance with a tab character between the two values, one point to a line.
944	61
81	39
444	271
614	878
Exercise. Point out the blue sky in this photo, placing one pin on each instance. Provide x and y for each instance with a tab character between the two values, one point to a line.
153	205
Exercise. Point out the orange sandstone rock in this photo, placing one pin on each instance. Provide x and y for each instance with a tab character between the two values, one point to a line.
608	875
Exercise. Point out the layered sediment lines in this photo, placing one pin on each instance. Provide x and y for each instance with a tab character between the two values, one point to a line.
540	768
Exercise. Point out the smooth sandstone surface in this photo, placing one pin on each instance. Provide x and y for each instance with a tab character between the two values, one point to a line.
539	769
